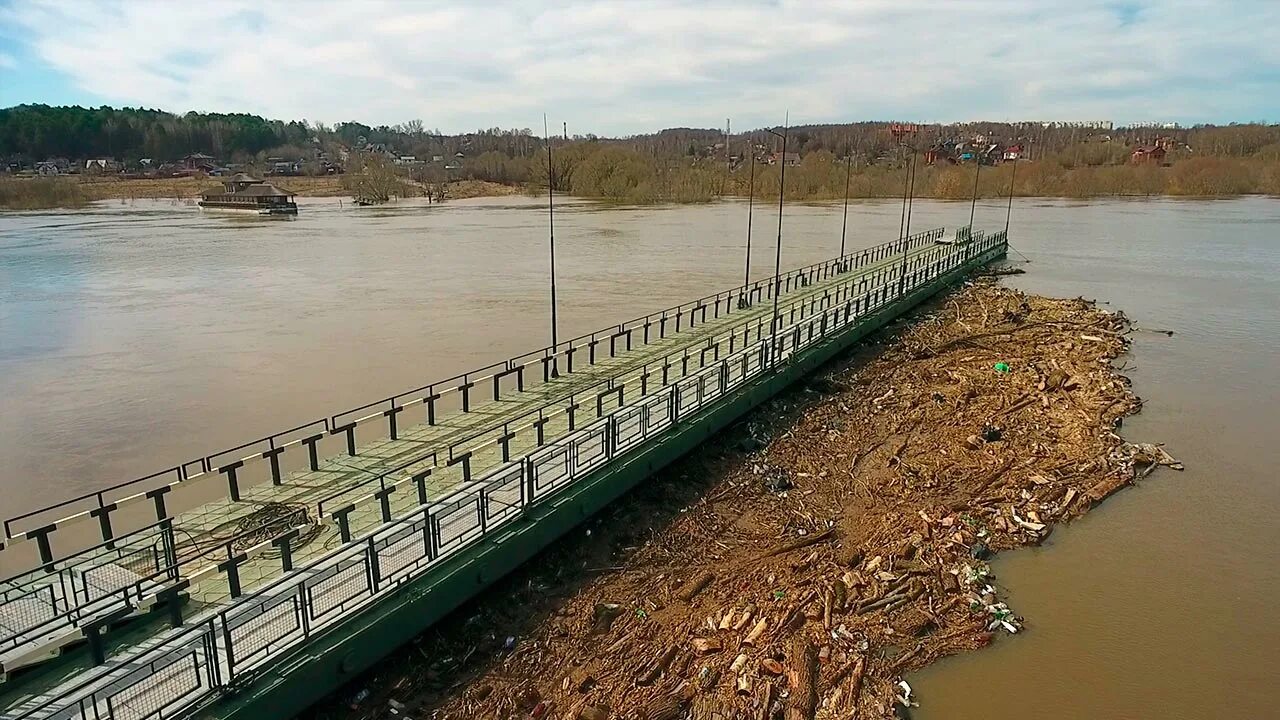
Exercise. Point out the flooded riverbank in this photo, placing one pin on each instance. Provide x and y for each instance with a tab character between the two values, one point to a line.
116	322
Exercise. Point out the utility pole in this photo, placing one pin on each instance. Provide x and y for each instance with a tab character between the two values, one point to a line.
728	157
900	132
1013	169
973	204
551	220
906	232
751	195
777	262
844	224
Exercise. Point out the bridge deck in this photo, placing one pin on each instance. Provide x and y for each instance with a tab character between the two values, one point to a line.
350	494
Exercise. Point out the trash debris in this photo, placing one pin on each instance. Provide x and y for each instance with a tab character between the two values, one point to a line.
777	481
979	551
904	697
603	616
358	698
848	550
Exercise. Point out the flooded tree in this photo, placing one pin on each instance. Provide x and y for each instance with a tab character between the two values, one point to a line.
373	178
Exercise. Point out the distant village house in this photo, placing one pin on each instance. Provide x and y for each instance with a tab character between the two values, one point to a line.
792	158
101	165
199	162
1148	154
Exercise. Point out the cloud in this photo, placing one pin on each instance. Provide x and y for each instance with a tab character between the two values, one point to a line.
8	62
621	67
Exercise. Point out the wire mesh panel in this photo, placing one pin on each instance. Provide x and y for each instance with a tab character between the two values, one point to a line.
503	493
109	577
688	394
404	550
711	380
736	369
253	632
457	522
332	588
550	468
26	612
162	688
659	414
629	426
590	449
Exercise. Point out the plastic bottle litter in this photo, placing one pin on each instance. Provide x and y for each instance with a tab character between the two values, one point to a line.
1002	367
359	698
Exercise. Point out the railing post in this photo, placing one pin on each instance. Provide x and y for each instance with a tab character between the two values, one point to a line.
284	544
420	479
103	513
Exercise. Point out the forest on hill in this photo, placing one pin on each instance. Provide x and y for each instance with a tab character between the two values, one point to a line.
686	164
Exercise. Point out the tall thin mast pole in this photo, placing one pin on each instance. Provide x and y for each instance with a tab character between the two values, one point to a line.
777	262
844	224
551	224
911	192
751	195
906	230
1013	169
973	205
906	182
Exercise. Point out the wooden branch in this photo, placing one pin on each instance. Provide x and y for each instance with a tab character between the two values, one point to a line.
991	478
695	586
650	675
803	542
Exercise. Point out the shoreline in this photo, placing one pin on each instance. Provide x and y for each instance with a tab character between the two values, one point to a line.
74	192
822	549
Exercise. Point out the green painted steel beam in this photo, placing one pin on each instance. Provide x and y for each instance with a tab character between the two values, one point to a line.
336	657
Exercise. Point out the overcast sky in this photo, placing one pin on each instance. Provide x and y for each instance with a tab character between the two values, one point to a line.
624	67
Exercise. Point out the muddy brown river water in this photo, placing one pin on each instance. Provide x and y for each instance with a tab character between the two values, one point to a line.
135	336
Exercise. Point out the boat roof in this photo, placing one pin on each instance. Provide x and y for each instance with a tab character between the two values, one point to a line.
262	188
259	188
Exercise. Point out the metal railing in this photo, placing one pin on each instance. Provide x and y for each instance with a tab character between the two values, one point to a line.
172	676
120	591
38	524
123	577
507	430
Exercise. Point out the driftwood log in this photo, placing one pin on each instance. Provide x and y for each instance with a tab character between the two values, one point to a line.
803	542
695	586
658	665
803	674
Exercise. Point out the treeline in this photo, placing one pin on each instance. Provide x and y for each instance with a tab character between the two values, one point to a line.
614	172
40	131
821	176
678	164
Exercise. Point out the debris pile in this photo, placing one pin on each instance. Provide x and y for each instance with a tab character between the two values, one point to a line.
843	541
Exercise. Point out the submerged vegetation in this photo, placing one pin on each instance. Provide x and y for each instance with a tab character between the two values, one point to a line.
40	194
616	173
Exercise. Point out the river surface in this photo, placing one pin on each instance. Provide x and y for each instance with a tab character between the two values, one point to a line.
136	336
